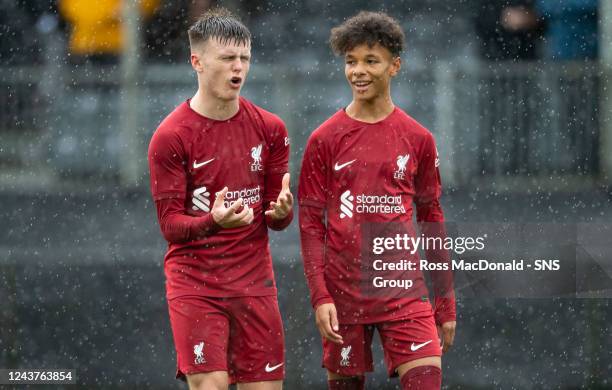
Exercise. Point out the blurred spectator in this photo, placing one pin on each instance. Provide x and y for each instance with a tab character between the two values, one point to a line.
96	27
508	30
198	7
22	25
166	31
571	28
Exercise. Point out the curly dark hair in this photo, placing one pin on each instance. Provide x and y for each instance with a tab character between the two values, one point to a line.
367	28
221	24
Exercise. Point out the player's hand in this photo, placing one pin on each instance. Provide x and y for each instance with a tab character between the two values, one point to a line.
327	322
229	217
284	202
447	333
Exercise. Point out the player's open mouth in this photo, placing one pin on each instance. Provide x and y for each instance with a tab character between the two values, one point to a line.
236	81
361	85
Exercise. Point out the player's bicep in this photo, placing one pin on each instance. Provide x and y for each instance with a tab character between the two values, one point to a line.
312	220
278	162
279	150
168	177
428	185
312	190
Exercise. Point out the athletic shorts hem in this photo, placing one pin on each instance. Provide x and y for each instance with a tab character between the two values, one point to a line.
393	371
182	374
267	292
267	378
348	372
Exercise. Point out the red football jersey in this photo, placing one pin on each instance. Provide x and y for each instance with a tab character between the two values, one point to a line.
365	178
191	158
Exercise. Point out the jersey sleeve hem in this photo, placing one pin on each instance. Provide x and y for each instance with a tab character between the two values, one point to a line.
443	318
279	224
321	301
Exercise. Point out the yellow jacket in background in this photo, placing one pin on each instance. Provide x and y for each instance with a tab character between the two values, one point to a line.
96	24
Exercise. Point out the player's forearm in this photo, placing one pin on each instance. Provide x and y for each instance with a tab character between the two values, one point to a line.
434	232
442	279
312	235
314	268
431	223
318	291
443	285
444	310
178	228
429	212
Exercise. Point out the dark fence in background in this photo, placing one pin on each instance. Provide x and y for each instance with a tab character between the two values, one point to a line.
491	121
538	119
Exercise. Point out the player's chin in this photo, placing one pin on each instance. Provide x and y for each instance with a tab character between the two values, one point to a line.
231	94
363	96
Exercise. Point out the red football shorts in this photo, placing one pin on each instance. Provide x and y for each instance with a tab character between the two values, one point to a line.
243	336
402	341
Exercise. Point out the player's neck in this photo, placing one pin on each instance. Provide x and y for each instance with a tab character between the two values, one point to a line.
213	108
370	111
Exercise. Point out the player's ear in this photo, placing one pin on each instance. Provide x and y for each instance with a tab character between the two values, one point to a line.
196	64
396	64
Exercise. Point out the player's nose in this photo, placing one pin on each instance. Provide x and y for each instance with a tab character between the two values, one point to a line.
237	65
358	70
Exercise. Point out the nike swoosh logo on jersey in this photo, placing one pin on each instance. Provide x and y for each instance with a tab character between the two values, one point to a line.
197	165
419	346
270	369
339	167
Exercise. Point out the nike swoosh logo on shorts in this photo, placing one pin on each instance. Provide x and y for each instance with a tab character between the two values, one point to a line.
270	369
198	165
339	167
419	346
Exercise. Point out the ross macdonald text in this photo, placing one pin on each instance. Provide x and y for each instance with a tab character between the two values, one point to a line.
462	265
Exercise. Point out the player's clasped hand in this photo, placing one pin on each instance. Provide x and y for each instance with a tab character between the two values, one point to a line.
327	322
284	203
229	217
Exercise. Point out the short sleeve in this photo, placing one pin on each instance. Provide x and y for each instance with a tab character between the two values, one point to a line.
168	177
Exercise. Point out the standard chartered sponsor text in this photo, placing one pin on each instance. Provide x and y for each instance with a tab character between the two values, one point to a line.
372	204
250	196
